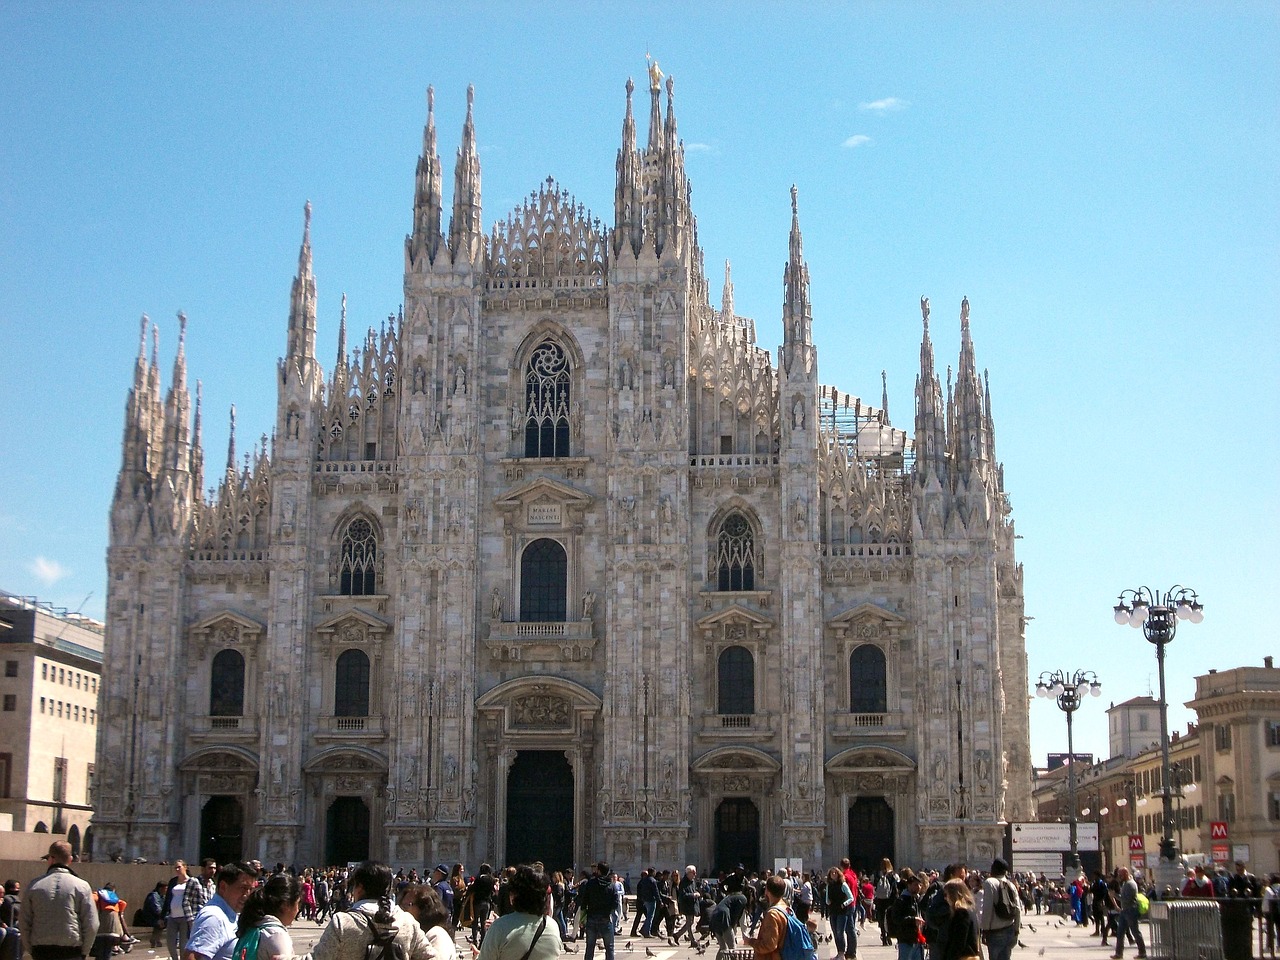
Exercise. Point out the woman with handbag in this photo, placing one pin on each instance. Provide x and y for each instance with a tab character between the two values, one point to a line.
962	942
523	932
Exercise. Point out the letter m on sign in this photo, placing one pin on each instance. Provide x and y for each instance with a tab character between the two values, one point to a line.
1135	842
1217	830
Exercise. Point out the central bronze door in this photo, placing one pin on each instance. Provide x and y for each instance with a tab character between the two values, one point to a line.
540	809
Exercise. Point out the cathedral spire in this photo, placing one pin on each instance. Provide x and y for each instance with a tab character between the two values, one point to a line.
231	446
197	446
884	397
301	348
970	418
465	238
726	297
428	201
797	313
177	408
627	218
931	434
655	106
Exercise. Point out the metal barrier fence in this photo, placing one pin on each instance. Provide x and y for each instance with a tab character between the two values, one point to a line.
1185	930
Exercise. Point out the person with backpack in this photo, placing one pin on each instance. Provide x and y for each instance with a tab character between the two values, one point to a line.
937	910
905	921
782	935
1128	920
886	893
525	932
261	932
374	928
1001	916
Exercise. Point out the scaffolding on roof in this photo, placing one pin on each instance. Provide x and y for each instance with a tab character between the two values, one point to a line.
864	431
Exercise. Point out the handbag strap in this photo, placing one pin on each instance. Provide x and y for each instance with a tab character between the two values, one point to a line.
542	925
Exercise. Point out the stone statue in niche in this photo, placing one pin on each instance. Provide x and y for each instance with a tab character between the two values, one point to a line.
419	378
495	605
797	413
460	379
588	605
668	373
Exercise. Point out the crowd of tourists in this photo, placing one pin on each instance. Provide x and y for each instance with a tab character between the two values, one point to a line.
241	911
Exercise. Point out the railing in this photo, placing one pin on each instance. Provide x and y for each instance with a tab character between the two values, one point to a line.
225	556
866	550
867	719
735	720
854	726
737	726
225	723
236	727
541	640
370	727
734	460
356	466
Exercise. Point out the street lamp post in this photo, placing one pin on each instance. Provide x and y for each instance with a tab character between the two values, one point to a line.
1182	785
1158	615
1099	810
1068	689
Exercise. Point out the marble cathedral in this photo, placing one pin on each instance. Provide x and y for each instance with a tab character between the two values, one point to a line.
559	564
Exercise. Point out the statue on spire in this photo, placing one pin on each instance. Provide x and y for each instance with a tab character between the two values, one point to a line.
924	311
655	75
964	312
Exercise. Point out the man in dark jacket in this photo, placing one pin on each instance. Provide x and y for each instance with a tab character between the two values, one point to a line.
647	894
905	922
600	901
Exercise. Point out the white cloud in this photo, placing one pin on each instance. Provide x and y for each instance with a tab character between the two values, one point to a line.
699	148
47	571
884	105
857	140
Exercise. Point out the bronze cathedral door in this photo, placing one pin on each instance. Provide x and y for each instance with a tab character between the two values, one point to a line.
540	809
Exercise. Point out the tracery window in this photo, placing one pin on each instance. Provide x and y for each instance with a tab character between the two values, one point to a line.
356	571
351	685
736	682
735	554
226	685
868	682
544	571
546	402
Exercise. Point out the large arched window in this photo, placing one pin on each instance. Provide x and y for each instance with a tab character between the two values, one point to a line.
226	685
736	686
868	683
735	554
357	577
544	570
546	402
351	685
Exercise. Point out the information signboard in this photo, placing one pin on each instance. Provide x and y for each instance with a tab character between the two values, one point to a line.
1053	836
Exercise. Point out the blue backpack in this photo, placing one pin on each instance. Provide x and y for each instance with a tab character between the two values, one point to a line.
797	942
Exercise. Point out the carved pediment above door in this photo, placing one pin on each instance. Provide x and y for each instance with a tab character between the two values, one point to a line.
227	628
543	503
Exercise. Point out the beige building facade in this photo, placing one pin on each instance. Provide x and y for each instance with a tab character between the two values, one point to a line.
49	692
560	563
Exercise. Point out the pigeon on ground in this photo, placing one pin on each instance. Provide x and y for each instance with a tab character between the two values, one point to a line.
627	946
1022	945
649	953
1031	927
1042	951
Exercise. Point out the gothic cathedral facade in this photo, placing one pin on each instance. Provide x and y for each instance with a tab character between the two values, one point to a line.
559	564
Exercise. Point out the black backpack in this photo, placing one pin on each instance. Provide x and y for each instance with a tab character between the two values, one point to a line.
383	945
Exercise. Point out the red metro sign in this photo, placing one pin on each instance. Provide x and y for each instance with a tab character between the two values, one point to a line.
1217	830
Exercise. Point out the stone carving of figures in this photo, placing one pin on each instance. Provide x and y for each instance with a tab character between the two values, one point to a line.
419	379
983	766
668	373
411	773
666	512
291	425
450	770
624	776
939	769
964	310
455	515
460	378
800	513
924	308
391	804
629	512
668	776
797	414
153	769
277	770
495	605
588	605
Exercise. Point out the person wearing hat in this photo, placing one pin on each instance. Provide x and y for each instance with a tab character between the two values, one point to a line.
59	919
440	881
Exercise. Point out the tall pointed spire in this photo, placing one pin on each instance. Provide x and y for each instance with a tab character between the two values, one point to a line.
655	106
627	199
465	240
177	408
797	313
726	297
970	419
428	198
301	349
231	446
197	446
884	397
931	433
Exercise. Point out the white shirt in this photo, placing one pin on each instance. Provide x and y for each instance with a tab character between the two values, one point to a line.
175	899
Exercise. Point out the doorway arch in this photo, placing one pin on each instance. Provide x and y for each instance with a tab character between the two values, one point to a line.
540	809
871	830
222	829
347	831
737	834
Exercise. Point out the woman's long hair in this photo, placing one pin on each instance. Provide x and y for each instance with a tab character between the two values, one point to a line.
280	890
957	893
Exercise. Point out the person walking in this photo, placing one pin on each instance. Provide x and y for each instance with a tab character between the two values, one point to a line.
840	914
59	919
1001	915
525	932
687	904
178	924
373	913
1128	919
961	939
601	902
213	932
905	919
767	943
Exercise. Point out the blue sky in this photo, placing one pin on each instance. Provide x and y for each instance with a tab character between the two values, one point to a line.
1099	179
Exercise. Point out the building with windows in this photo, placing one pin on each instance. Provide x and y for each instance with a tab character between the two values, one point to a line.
560	563
49	692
